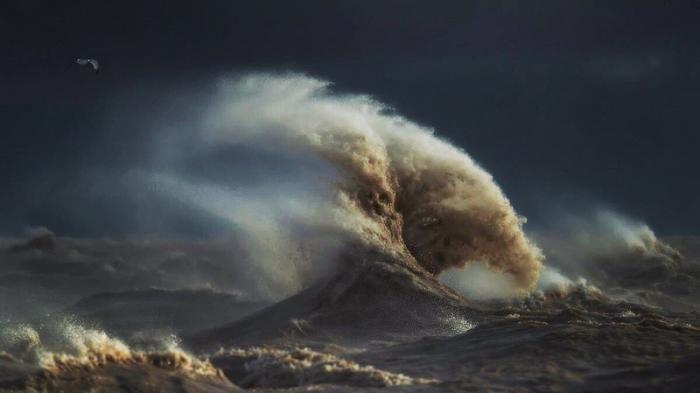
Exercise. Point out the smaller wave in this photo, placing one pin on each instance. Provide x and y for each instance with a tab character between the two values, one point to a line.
264	367
68	347
40	239
579	241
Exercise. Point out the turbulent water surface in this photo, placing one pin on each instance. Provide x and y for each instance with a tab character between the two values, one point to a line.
411	271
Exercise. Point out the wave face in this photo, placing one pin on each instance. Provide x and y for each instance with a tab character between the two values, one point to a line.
403	191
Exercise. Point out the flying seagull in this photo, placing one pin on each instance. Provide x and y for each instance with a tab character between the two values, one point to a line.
83	62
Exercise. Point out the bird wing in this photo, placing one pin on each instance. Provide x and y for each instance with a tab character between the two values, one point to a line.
94	63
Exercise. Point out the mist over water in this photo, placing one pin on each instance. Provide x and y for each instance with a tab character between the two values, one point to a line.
581	245
373	180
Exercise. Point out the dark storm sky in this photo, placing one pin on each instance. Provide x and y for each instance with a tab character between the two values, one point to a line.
564	102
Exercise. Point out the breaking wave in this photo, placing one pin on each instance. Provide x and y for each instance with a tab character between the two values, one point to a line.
402	190
68	346
69	351
265	367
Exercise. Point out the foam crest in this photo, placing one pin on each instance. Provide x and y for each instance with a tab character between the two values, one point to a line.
412	194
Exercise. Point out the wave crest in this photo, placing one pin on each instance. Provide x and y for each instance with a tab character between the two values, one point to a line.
409	193
70	346
266	367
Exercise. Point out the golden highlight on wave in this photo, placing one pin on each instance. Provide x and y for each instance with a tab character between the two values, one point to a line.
74	347
267	367
409	193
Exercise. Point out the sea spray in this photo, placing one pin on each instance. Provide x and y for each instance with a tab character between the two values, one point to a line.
412	194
